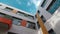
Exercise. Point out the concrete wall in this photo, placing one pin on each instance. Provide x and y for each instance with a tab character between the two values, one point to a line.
55	21
22	30
47	16
45	13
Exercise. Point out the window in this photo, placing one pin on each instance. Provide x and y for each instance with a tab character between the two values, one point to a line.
54	7
38	12
16	21
0	5
43	19
20	13
26	15
29	16
5	15
44	3
38	25
8	9
11	33
51	31
2	15
53	1
31	25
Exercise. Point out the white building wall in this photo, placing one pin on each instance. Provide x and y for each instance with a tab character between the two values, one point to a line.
47	16
45	13
55	21
22	30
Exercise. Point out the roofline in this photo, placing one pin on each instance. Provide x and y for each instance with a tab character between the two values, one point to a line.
17	9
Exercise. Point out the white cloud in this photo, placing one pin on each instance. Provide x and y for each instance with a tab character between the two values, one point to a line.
36	2
28	3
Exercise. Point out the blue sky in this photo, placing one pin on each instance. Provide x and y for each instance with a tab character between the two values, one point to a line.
29	6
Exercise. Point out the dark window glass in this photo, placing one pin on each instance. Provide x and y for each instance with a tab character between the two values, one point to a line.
43	4
43	18
38	11
51	31
0	5
11	33
54	7
26	15
38	25
53	1
8	8
31	25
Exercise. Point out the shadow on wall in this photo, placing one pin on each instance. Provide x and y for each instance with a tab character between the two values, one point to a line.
57	27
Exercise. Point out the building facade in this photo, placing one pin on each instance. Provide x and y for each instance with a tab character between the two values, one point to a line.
24	23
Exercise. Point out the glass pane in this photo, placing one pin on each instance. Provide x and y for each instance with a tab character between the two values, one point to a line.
54	7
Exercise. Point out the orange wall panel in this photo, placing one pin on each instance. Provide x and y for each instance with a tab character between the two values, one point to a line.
23	23
6	21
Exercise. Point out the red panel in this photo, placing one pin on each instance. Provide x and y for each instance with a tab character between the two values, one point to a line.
23	23
6	21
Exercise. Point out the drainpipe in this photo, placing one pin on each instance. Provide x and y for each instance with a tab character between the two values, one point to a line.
44	30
